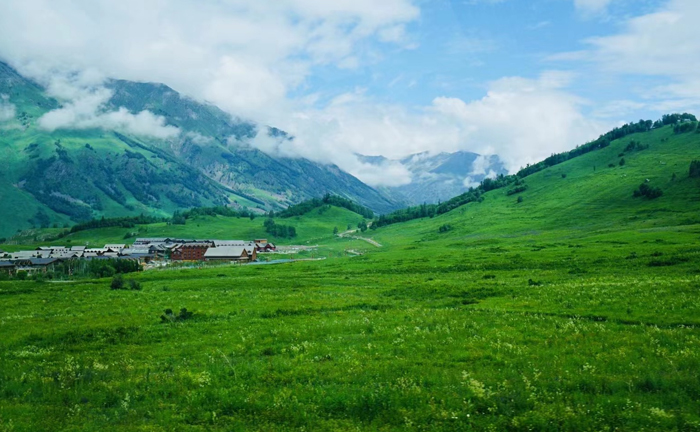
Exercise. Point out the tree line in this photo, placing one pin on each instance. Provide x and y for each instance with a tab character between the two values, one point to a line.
328	199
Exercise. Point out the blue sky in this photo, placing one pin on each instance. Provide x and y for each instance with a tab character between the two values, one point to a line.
519	79
457	47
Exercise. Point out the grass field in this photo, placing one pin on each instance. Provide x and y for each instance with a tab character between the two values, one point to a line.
317	226
576	309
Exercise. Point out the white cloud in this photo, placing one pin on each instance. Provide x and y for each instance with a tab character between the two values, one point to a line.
592	7
521	120
663	44
244	56
85	111
480	165
249	58
7	110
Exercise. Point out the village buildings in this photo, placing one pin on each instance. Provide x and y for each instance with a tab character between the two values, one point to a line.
143	250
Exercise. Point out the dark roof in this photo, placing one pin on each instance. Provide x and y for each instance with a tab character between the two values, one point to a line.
4	264
42	261
113	257
196	244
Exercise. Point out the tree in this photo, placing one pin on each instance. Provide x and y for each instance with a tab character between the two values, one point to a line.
335	230
362	225
178	219
117	282
694	169
622	162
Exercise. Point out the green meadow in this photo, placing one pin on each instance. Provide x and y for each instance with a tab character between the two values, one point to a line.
574	308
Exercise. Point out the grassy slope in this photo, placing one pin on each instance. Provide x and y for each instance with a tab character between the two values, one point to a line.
312	227
592	197
577	309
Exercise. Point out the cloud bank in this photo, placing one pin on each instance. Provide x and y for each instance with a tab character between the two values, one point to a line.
86	111
7	110
521	120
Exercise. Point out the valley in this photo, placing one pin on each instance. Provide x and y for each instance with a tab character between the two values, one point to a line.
571	304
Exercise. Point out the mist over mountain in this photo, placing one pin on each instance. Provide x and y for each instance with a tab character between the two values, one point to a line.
130	148
439	177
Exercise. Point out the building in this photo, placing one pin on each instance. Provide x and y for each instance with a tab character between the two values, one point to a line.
7	266
230	253
190	251
66	255
114	247
34	265
220	243
264	246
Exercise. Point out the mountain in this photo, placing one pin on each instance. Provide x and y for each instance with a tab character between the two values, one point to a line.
442	176
69	175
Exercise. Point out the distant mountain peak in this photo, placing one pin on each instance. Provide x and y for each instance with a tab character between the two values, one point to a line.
440	176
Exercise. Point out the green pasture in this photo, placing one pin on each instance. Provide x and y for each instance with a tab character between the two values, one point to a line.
576	309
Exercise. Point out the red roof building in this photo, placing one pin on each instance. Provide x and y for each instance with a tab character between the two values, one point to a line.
190	252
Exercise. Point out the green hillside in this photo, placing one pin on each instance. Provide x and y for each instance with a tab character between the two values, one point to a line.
576	309
66	176
588	194
313	227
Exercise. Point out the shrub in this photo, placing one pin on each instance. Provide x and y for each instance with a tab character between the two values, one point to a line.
445	228
134	285
644	190
694	169
21	275
520	199
170	317
531	282
563	175
117	282
635	146
622	162
517	190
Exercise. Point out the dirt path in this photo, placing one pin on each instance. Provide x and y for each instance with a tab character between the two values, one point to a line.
348	234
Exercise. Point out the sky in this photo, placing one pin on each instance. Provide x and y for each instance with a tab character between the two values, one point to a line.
518	79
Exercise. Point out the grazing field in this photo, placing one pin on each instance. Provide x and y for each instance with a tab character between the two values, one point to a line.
512	334
577	308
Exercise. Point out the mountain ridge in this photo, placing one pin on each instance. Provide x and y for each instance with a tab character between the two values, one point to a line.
69	175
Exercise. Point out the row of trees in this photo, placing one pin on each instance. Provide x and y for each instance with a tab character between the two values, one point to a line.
328	199
79	268
686	127
279	231
123	222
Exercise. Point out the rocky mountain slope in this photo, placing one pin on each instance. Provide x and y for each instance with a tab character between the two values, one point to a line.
71	174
